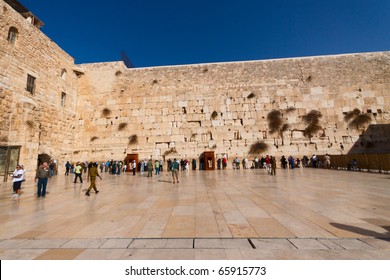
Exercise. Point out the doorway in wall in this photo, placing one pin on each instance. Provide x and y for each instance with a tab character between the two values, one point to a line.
209	160
129	159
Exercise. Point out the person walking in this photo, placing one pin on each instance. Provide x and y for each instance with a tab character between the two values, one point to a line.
174	169
157	167
43	175
150	168
134	167
67	168
78	171
17	179
273	166
92	174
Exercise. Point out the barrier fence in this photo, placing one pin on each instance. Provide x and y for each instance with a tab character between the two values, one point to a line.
363	162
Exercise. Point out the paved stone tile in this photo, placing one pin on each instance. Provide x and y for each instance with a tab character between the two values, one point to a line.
330	244
377	254
173	254
270	244
208	243
11	243
84	243
60	254
219	210
234	254
20	254
138	254
283	254
101	254
377	243
179	243
148	244
116	243
210	254
236	244
352	244
258	254
307	243
42	243
338	255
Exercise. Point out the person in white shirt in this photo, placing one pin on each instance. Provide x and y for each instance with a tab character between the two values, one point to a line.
17	179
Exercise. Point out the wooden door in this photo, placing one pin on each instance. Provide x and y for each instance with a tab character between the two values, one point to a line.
209	160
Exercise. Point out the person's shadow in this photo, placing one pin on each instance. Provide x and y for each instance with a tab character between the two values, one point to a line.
366	232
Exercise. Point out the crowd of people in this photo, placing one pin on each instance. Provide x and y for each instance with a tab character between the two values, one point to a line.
45	171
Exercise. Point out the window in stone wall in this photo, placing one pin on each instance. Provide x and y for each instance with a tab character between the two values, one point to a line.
12	35
237	135
63	99
30	84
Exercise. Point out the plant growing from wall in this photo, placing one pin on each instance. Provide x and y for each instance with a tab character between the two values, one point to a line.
258	148
312	120
170	151
122	126
106	112
356	119
133	139
30	124
352	114
276	123
290	109
214	115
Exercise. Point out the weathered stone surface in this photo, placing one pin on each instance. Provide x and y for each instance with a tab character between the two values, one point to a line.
224	108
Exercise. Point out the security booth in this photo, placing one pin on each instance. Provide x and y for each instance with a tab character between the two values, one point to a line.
129	160
209	160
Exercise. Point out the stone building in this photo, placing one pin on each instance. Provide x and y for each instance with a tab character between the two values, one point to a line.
297	106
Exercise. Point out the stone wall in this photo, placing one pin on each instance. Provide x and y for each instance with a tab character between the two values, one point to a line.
182	110
37	122
224	106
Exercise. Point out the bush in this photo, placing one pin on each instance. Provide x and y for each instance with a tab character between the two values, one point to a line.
258	148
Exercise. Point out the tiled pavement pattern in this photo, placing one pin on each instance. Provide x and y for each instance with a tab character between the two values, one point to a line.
231	214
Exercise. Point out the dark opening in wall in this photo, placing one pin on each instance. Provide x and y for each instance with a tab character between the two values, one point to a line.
199	122
184	110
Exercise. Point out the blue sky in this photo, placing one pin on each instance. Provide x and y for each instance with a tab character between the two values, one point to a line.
156	33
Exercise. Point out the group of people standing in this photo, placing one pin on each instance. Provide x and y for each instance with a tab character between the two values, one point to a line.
43	174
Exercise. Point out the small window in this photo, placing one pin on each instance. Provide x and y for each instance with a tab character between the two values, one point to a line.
12	35
63	99
30	84
63	74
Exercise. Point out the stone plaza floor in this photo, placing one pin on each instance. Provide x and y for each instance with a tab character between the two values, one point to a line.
308	214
